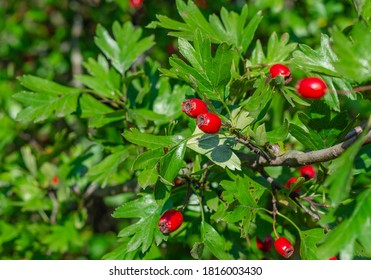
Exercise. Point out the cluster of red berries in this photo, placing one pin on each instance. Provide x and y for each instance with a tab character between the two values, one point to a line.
307	171
206	121
310	87
170	221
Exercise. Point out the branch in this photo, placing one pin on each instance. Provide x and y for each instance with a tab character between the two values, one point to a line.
297	158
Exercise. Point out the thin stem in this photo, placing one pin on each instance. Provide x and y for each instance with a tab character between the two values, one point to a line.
286	218
356	89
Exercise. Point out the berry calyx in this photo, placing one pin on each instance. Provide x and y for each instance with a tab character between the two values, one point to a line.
209	123
284	247
136	3
170	221
311	87
308	172
266	245
194	107
289	182
280	70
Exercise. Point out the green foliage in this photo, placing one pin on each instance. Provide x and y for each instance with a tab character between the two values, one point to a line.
93	163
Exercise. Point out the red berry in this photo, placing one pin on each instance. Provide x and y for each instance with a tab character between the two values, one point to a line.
311	87
266	245
334	258
280	70
209	122
289	182
201	3
170	221
194	107
136	3
55	180
308	172
284	247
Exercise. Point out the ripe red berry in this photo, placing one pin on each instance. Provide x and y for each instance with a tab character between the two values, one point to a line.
266	245
280	70
209	122
55	180
284	247
334	258
170	221
136	3
289	182
194	107
308	172
311	87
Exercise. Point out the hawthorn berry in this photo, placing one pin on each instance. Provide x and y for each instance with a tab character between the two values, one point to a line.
209	123
284	247
170	221
289	182
311	87
55	180
334	258
280	70
136	3
308	172
266	245
194	107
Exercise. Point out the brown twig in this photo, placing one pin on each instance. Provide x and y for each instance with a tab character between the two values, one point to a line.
298	158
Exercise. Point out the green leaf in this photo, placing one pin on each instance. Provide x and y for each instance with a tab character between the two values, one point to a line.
217	148
279	134
98	121
141	233
260	136
147	177
150	141
197	250
352	228
340	170
240	119
29	160
125	46
302	136
103	171
321	60
354	53
172	162
308	243
278	50
208	75
148	159
230	28
213	241
45	100
90	107
139	208
104	80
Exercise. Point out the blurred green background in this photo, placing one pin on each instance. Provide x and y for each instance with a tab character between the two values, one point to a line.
51	39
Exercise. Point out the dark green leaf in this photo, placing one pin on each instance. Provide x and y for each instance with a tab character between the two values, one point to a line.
150	141
340	170
213	241
343	236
